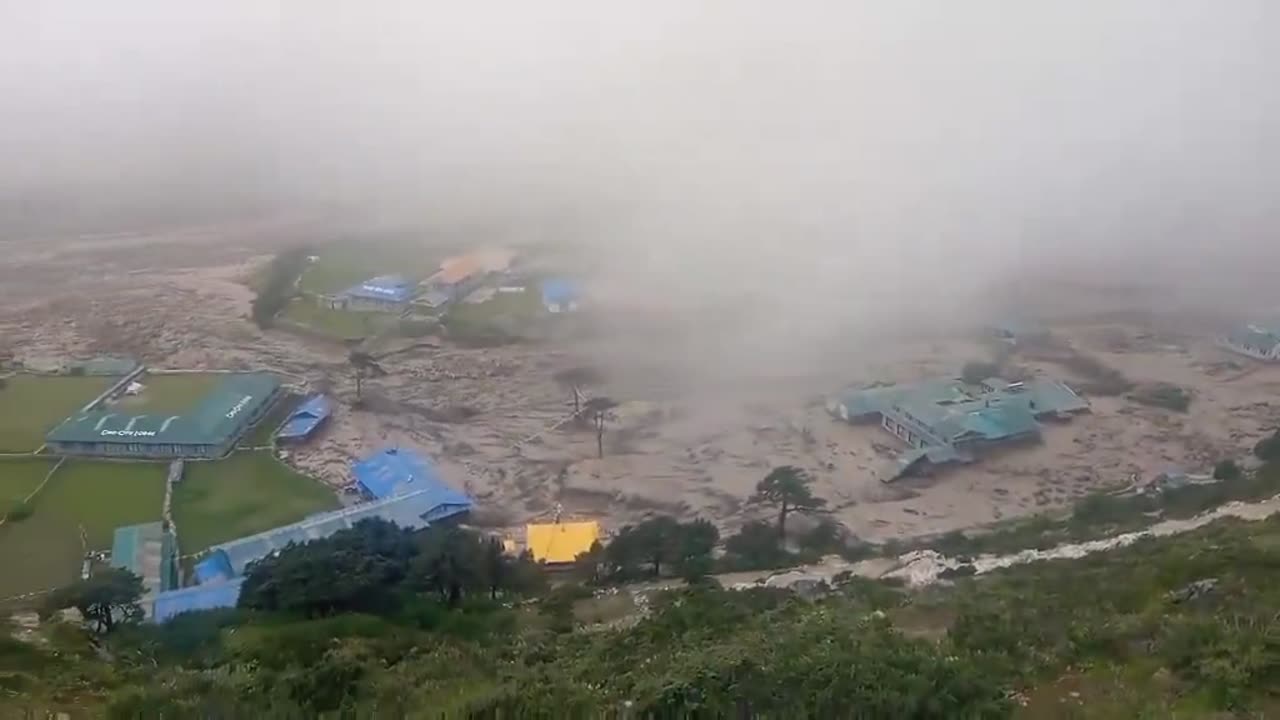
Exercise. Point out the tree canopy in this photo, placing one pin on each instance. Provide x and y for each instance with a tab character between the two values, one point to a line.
978	370
277	286
1167	629
660	542
787	488
107	599
375	566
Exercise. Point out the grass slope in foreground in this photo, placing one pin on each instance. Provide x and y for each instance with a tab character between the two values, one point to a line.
248	492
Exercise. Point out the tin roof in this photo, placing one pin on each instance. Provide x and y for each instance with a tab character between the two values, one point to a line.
391	288
415	510
148	551
560	542
305	418
215	418
168	605
395	471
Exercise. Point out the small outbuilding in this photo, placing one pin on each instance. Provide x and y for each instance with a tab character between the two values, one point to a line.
149	551
305	419
394	471
561	542
385	293
560	295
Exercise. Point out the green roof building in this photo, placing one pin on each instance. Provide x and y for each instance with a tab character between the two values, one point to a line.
944	421
1254	340
209	430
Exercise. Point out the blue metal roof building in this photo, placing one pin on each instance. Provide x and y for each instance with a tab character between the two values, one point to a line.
386	288
415	508
559	295
167	605
396	471
305	418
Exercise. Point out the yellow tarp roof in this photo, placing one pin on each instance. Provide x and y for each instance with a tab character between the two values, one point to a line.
560	542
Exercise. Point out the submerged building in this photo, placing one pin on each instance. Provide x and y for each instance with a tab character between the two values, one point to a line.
460	275
305	419
208	430
945	421
1254	340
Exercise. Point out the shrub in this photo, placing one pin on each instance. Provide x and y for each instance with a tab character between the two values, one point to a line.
18	511
1268	449
1164	395
1226	470
755	547
417	327
978	370
279	285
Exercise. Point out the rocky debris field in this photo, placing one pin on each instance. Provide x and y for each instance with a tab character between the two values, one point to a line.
685	438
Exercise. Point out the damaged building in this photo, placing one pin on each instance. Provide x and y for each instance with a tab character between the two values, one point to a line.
949	421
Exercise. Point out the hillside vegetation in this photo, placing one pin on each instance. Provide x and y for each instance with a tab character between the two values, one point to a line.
1183	626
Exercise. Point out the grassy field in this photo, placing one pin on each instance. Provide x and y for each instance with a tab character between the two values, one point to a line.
32	404
176	393
248	492
102	496
342	265
44	550
521	305
504	312
335	323
19	476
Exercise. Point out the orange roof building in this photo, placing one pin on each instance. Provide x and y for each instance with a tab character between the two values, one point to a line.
461	267
560	542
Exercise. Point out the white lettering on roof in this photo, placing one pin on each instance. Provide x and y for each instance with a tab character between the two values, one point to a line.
235	409
128	433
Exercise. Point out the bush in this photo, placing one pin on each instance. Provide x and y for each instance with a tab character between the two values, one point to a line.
977	371
1164	395
417	327
1226	470
1103	381
279	286
18	511
1268	449
756	547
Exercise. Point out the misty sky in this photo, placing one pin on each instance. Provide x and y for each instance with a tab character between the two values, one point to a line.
812	142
